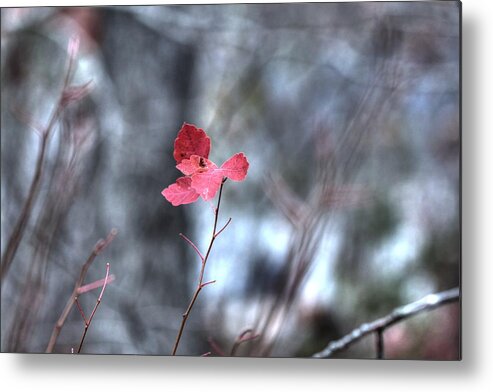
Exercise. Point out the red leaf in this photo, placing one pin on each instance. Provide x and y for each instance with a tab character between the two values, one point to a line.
194	165
207	183
180	192
235	168
203	177
191	141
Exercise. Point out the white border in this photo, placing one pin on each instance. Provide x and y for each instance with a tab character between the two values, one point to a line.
100	373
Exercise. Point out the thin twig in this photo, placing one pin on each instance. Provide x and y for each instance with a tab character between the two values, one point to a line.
379	343
215	347
242	338
87	323
192	245
226	225
207	283
427	303
204	259
80	310
33	192
98	248
95	285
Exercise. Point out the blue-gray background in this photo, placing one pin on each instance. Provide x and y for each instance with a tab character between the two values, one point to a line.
349	115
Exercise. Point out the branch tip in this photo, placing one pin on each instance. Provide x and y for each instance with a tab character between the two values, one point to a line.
195	248
224	227
207	283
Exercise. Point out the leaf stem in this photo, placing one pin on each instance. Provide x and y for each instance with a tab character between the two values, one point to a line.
200	284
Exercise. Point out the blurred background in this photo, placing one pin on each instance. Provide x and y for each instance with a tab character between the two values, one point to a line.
349	116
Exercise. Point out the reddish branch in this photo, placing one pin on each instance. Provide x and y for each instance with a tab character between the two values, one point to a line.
378	326
216	348
87	322
98	248
246	336
200	284
21	223
18	232
95	285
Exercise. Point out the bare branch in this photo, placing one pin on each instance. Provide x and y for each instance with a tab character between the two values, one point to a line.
215	347
206	283
242	338
427	303
98	248
95	285
226	225
80	310
88	323
379	343
192	245
20	225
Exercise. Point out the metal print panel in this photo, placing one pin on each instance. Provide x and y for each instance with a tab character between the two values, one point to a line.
256	180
